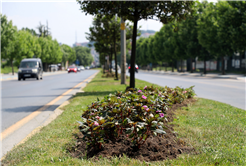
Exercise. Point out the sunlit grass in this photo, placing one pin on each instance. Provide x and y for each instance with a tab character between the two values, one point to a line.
217	131
164	69
8	69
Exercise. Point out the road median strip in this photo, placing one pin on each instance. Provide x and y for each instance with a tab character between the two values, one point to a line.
214	129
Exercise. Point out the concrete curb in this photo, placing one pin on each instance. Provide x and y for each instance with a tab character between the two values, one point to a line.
239	77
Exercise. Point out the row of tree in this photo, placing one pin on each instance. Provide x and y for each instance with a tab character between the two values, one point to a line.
212	31
164	11
105	33
26	43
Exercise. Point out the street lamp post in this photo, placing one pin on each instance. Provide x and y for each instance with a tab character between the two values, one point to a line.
123	52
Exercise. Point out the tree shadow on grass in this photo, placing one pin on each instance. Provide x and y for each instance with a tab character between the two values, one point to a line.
98	81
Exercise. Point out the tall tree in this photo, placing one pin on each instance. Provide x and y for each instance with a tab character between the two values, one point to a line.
236	22
83	54
188	36
68	54
140	53
22	47
43	31
105	32
32	31
102	38
44	45
168	44
7	33
55	55
165	11
213	32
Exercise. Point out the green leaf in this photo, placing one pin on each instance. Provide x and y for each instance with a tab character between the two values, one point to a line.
107	124
101	121
128	130
124	122
84	130
115	111
95	128
131	135
144	136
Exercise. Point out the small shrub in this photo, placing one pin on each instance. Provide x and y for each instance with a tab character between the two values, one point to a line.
137	113
108	74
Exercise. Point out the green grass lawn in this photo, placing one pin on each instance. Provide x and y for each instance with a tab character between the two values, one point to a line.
217	131
8	69
164	69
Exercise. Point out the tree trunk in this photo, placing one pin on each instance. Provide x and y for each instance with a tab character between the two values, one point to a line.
110	60
104	64
46	67
181	61
115	58
244	62
191	65
11	61
223	65
204	67
133	54
172	67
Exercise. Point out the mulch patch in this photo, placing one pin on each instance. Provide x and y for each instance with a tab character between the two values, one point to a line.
154	149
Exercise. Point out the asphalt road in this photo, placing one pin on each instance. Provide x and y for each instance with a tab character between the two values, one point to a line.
21	98
220	89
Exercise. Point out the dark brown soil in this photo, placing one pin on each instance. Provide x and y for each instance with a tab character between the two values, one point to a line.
154	149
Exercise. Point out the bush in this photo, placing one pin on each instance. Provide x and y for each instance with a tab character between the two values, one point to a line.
137	113
107	74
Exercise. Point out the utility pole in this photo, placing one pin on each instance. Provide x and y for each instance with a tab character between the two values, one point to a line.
123	51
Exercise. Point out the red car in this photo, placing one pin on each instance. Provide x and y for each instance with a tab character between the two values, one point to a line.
72	69
136	68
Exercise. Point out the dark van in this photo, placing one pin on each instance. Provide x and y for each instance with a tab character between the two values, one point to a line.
30	68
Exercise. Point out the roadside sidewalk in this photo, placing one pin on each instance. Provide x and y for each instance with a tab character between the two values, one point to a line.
5	77
210	75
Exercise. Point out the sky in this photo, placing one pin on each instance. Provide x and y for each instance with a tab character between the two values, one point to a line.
64	17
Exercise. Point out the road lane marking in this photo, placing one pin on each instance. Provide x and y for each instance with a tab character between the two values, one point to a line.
23	121
7	79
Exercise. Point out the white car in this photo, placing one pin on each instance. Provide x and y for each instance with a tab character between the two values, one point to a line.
53	67
82	67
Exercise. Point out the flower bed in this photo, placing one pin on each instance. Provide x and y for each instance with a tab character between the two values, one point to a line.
136	116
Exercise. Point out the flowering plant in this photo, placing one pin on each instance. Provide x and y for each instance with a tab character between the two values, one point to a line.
138	115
